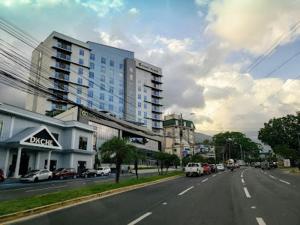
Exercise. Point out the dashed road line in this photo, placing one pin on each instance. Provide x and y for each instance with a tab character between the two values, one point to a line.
140	218
260	221
243	181
253	207
272	177
164	203
283	181
214	175
206	179
247	192
186	190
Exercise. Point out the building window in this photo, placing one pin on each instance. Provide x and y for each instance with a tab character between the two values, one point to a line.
101	106
121	91
102	78
80	70
1	127
145	122
120	109
139	88
111	90
111	98
139	104
90	104
145	114
103	60
145	90
121	66
78	100
92	65
139	113
139	96
111	63
91	75
120	100
81	62
81	52
111	80
82	143
79	90
102	86
90	93
91	84
102	96
145	98
110	107
79	80
145	105
92	56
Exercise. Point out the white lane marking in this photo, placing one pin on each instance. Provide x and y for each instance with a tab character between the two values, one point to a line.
253	207
140	218
186	190
272	177
164	203
247	192
260	221
206	179
41	189
243	181
283	181
242	176
214	175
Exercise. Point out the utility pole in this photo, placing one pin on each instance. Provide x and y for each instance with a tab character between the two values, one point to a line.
180	135
241	151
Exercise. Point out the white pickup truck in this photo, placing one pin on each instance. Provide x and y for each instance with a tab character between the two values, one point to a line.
192	169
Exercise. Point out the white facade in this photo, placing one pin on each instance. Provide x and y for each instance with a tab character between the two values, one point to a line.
25	138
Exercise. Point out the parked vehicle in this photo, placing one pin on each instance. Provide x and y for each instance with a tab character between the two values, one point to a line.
37	175
192	169
1	175
63	173
230	164
206	168
265	165
257	164
88	173
273	165
103	171
220	167
213	168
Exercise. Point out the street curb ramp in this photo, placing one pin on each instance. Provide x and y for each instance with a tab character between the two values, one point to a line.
29	213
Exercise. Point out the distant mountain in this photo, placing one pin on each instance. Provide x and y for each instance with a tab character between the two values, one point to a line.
199	137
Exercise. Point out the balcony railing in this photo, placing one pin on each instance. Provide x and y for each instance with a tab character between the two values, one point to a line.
63	56
62	66
62	76
156	79
157	94
64	46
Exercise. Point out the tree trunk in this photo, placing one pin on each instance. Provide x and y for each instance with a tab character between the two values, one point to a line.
161	167
136	169
118	170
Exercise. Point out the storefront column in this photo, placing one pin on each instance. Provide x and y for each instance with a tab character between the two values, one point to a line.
16	175
6	162
48	161
37	160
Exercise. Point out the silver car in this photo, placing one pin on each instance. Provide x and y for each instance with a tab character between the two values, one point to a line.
37	175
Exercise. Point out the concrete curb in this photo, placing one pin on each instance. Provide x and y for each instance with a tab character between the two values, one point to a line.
27	214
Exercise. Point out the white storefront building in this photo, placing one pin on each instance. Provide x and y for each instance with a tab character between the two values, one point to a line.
33	141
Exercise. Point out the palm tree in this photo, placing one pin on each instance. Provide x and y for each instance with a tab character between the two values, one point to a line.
116	150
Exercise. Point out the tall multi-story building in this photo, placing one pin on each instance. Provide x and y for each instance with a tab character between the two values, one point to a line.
59	65
106	78
100	77
143	91
179	136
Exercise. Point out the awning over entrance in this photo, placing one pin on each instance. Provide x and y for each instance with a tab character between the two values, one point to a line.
33	137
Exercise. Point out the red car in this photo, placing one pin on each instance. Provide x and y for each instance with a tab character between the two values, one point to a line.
206	168
62	173
1	175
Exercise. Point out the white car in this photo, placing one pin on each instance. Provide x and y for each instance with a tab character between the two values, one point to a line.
37	175
220	167
103	171
194	169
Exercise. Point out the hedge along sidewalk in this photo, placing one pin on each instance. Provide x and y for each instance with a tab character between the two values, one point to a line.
14	209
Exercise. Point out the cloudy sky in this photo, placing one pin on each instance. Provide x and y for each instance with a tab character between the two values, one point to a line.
206	48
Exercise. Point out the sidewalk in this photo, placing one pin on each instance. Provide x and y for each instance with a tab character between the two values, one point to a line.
143	171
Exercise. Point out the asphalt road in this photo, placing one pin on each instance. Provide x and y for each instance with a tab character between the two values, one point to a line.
243	197
12	191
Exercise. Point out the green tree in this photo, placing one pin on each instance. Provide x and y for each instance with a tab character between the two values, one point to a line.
282	135
135	156
236	143
116	151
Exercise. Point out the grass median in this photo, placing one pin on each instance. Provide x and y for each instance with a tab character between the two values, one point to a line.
12	206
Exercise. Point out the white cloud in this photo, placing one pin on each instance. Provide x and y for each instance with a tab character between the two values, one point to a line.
252	25
107	39
175	45
133	11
